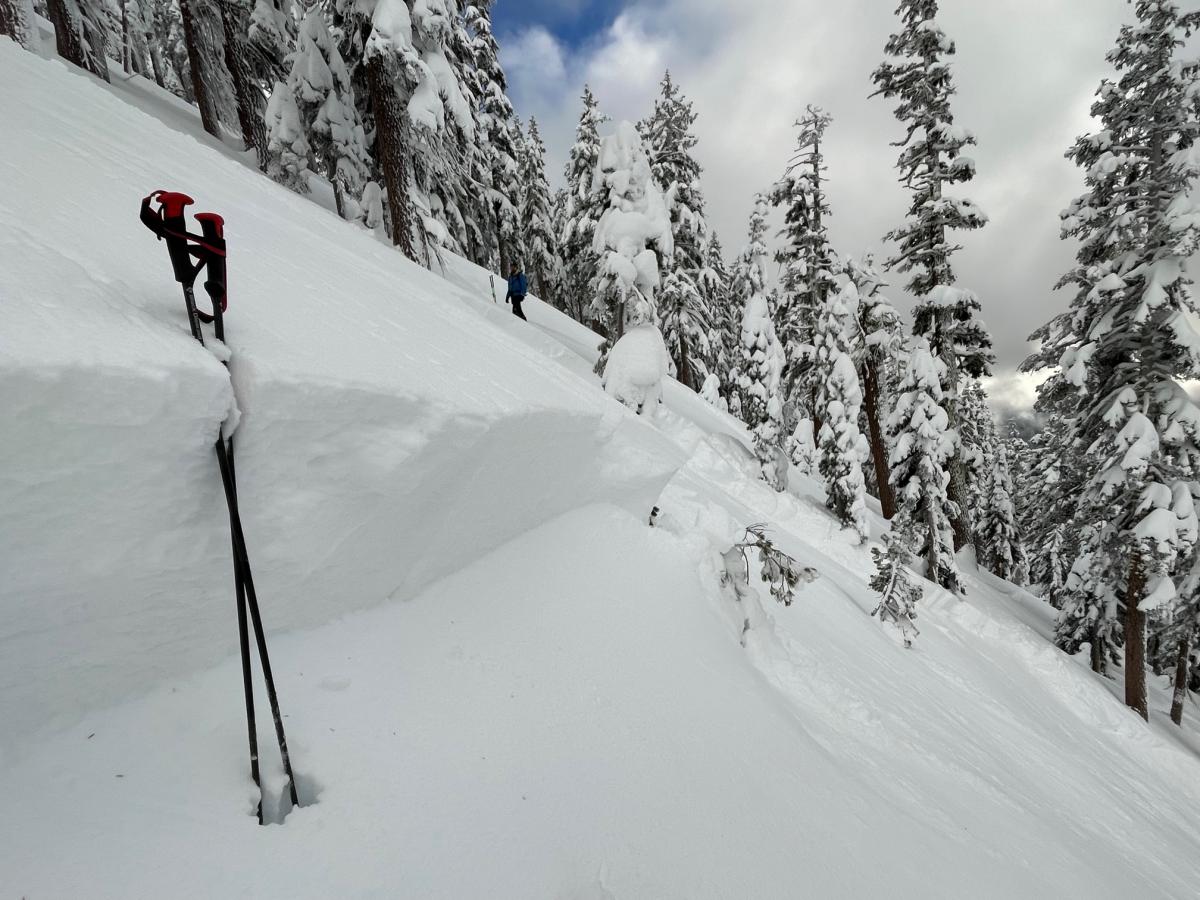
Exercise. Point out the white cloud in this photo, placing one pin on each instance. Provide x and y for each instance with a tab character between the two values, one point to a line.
535	64
1025	70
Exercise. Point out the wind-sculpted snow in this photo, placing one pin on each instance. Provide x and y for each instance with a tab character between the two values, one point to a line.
389	431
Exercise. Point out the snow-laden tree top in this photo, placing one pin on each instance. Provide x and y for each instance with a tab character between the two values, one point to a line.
636	226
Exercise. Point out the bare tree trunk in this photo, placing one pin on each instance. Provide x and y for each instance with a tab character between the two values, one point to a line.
388	120
961	522
18	22
879	454
934	561
126	52
250	118
156	63
1097	654
204	98
683	367
1181	681
68	32
1135	638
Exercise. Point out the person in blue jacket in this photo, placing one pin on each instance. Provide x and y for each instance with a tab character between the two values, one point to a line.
517	286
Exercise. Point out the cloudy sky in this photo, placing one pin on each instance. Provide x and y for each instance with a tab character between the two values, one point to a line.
1025	70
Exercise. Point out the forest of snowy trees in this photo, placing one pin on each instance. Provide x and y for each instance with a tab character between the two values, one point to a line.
401	108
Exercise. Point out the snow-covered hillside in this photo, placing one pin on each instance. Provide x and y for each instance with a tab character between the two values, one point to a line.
498	679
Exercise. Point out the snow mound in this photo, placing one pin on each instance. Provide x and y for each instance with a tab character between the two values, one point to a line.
636	367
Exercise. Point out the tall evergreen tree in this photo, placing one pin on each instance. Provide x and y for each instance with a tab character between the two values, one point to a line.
921	443
499	135
537	225
761	367
1126	345
808	262
719	296
918	75
1001	551
584	206
685	319
841	445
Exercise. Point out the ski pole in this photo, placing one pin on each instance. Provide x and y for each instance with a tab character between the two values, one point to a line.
169	224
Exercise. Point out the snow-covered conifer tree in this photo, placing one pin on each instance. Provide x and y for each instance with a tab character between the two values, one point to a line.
1000	549
1126	345
584	205
808	262
761	367
976	436
717	286
320	83
498	134
537	225
633	230
838	402
921	443
683	314
879	364
917	73
287	142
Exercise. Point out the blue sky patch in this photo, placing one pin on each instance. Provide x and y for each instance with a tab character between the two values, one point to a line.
571	21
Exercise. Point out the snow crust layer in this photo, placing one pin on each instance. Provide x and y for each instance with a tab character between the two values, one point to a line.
389	431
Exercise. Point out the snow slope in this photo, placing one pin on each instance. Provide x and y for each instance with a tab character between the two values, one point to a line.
564	704
389	431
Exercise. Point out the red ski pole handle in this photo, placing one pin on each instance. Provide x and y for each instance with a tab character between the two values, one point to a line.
168	223
212	227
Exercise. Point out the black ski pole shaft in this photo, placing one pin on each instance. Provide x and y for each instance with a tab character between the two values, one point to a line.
242	568
169	224
248	598
239	569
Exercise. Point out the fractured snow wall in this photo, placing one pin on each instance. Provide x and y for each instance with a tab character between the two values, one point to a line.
390	432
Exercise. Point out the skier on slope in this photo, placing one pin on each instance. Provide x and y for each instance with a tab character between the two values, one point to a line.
517	286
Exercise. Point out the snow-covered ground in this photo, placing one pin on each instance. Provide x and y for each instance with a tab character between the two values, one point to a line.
498	679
